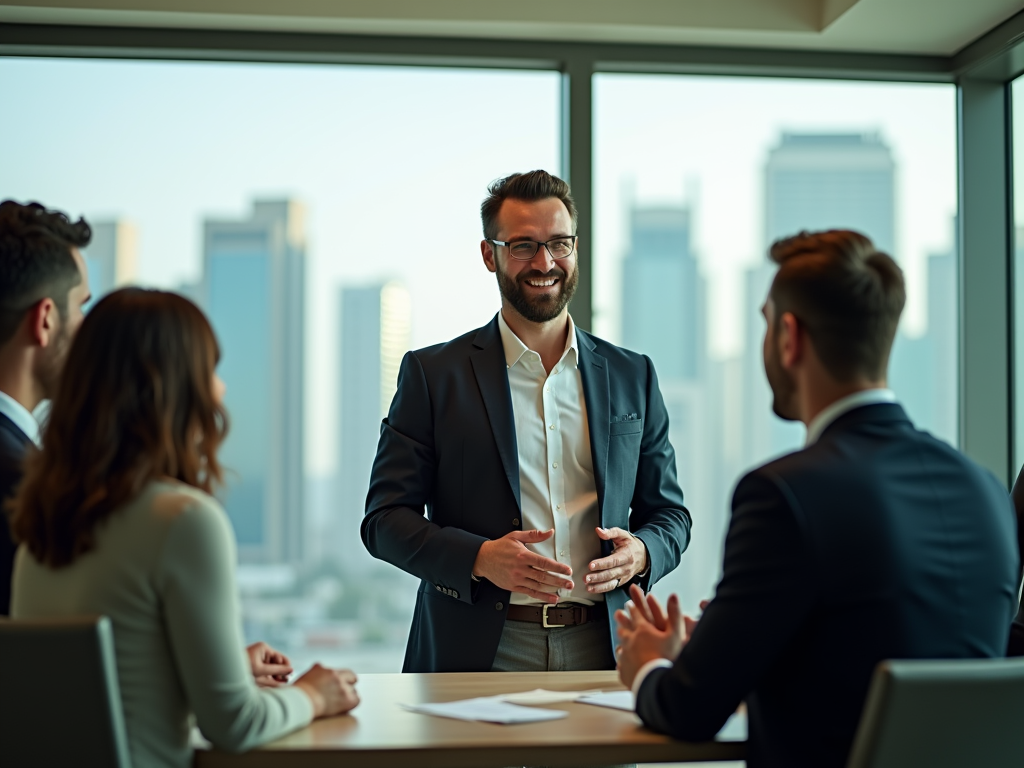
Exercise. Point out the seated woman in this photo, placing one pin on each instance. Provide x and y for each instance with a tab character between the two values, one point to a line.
115	517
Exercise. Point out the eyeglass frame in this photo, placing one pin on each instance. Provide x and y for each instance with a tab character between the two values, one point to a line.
509	243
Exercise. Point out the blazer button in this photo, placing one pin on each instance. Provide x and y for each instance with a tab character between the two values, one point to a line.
499	606
437	587
515	521
455	594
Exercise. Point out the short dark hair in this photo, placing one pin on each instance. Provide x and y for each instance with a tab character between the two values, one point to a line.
846	293
530	186
35	260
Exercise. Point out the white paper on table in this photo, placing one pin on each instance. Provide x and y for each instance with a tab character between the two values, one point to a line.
735	728
542	696
612	699
488	709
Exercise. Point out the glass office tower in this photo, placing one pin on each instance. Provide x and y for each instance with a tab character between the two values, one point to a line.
254	292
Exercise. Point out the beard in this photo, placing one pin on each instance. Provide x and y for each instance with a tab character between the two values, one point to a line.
52	365
539	309
781	382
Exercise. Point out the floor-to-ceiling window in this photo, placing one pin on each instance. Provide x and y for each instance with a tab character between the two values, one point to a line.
694	178
1017	266
327	220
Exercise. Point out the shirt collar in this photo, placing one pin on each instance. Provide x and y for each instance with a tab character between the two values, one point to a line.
515	348
21	417
823	420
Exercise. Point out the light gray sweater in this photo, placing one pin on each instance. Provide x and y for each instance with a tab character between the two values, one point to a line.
163	570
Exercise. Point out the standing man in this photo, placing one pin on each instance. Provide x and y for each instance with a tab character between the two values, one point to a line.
43	286
541	456
874	542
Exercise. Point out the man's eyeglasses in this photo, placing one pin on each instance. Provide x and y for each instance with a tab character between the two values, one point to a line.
524	250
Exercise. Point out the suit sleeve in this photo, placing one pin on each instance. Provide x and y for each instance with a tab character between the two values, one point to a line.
766	582
395	528
658	515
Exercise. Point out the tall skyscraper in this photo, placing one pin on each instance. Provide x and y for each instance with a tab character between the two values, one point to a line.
831	180
111	258
663	293
813	181
254	293
664	316
376	329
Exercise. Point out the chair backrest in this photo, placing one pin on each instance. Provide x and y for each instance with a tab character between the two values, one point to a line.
59	698
942	713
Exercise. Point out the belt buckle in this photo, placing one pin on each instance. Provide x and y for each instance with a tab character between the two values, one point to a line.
544	618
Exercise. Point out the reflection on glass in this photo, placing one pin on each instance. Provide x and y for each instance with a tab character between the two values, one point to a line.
327	219
688	200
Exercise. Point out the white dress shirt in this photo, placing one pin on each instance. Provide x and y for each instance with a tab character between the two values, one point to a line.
818	425
21	417
556	468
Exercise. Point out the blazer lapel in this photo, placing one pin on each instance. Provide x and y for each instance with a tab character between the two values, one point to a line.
491	377
594	374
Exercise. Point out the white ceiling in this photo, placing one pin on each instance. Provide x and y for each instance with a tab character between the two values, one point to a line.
940	27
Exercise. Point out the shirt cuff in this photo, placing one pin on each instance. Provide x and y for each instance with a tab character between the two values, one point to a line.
645	670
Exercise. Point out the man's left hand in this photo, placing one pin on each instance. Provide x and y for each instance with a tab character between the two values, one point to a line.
627	560
270	668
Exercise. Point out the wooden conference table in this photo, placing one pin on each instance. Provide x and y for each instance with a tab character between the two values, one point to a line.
380	734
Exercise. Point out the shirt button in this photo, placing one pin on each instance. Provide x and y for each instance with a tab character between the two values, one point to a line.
551	426
554	465
558	506
499	606
562	553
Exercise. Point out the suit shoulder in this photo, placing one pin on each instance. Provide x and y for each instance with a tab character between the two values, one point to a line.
444	352
616	355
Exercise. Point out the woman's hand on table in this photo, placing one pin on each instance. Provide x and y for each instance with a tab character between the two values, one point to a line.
332	691
270	668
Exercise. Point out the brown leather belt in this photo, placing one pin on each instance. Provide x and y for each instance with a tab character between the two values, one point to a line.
552	616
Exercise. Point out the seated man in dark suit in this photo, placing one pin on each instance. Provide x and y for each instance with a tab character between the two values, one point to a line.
876	541
43	286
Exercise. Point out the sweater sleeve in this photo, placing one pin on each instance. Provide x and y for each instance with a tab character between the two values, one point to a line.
203	620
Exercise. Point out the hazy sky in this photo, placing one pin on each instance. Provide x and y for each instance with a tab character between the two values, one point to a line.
392	164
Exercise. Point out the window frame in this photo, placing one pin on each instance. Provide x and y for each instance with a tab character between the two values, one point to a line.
982	73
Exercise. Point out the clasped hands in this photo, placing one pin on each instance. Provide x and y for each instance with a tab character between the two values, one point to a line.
647	632
509	564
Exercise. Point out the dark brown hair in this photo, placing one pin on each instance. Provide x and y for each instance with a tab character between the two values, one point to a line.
846	293
531	186
135	403
35	260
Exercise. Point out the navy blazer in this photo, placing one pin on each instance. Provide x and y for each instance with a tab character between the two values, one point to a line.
448	445
877	542
13	446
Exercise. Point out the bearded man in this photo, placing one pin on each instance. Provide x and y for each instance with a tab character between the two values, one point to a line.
540	455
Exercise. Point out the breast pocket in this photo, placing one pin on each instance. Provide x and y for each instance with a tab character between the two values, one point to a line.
632	427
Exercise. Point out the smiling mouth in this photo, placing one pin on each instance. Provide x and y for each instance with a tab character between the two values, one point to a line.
546	282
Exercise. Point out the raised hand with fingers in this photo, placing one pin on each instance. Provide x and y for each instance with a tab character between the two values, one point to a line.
270	668
628	559
509	564
647	632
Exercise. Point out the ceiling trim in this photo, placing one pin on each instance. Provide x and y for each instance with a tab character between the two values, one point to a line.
224	45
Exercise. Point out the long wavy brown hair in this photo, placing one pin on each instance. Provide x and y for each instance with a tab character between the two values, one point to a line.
135	403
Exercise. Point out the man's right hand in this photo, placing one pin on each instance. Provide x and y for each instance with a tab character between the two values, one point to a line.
507	563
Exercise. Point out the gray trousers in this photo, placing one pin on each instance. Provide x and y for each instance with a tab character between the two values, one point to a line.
529	647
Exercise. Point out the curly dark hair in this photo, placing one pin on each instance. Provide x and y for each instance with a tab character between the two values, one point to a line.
35	260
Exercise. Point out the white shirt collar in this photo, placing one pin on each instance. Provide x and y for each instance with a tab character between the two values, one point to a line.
823	420
515	348
21	417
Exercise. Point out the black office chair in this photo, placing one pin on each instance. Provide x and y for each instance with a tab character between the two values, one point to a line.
942	714
59	698
1016	645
